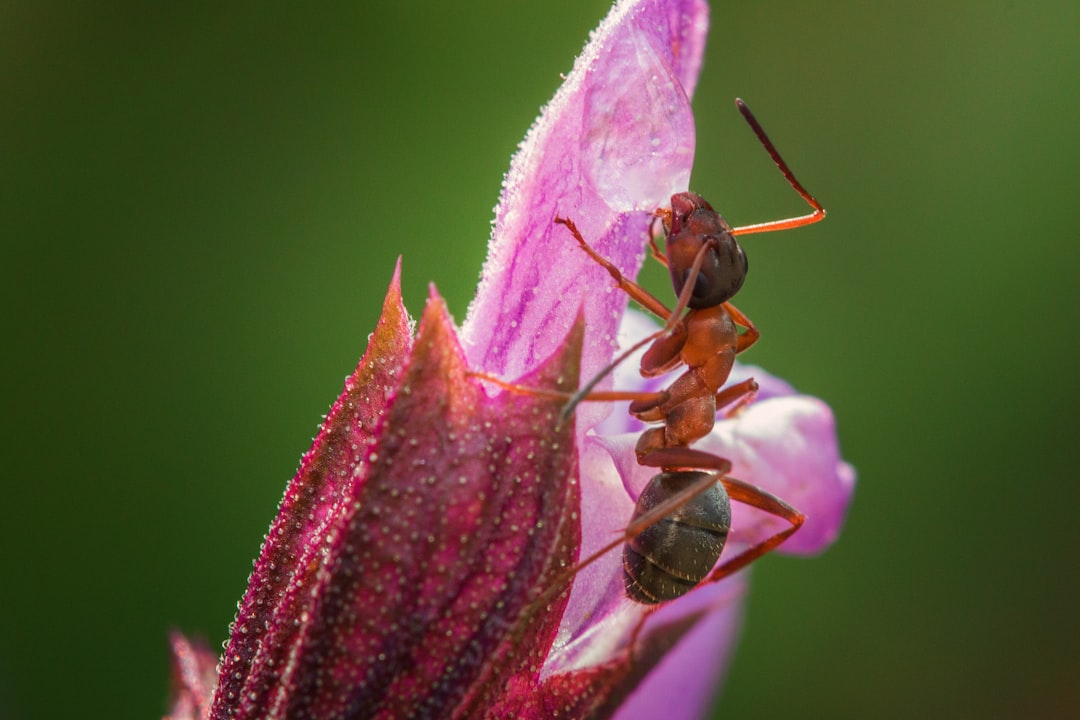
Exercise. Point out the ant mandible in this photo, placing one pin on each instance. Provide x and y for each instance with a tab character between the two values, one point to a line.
683	516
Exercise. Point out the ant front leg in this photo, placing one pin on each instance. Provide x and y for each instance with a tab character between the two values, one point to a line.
639	294
751	335
665	351
657	253
754	496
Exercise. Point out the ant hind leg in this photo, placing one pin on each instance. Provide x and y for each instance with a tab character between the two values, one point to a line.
754	496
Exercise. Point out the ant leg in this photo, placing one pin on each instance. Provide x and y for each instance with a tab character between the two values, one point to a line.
688	421
586	390
754	496
673	458
751	335
653	247
665	354
743	392
819	211
635	291
639	294
599	396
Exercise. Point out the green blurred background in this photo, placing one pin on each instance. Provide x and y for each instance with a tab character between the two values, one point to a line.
201	208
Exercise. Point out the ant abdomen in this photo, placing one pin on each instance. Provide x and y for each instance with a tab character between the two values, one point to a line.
671	556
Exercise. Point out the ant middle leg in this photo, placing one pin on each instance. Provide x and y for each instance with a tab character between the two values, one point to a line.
751	335
689	420
739	396
596	396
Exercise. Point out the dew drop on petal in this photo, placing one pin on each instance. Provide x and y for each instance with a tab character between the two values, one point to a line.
638	131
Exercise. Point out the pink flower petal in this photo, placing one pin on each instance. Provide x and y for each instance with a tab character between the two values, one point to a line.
689	674
612	146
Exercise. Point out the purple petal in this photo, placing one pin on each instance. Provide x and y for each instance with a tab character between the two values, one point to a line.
613	145
784	442
701	634
674	667
425	602
787	445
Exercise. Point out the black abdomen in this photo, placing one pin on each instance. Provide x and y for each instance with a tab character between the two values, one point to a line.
674	554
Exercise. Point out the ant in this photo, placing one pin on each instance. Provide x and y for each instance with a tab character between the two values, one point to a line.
682	517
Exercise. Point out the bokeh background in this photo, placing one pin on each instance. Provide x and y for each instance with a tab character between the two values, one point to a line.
200	208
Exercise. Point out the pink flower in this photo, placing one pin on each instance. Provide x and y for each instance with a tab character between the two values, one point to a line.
422	562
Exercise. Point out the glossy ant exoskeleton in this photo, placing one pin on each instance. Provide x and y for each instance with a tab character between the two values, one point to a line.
683	516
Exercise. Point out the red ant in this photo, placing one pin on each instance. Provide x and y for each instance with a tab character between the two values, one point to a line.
683	516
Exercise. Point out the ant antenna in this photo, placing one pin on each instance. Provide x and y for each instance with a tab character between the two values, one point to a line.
773	225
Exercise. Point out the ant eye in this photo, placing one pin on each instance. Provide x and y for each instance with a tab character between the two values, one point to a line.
721	274
702	286
722	269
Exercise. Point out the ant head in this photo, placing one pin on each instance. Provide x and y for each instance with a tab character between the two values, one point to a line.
693	224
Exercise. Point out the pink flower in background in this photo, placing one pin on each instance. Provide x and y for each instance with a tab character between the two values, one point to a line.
419	563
